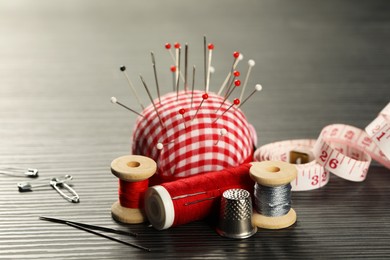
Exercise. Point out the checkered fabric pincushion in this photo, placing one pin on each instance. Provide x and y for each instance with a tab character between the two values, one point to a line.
193	146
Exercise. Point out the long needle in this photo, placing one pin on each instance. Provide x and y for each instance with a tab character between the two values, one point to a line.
107	237
123	69
110	230
155	76
151	100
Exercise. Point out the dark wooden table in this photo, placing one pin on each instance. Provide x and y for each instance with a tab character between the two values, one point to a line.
320	62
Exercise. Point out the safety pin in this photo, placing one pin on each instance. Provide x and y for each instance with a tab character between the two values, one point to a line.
29	172
55	183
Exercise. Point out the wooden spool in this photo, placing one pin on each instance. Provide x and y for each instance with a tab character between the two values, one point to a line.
273	174
131	168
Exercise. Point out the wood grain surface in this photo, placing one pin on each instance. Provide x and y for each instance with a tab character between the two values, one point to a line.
320	62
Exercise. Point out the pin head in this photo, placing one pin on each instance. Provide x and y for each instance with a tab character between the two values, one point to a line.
210	46
236	101
122	68
237	83
159	146
182	111
258	87
236	54
236	73
177	45
251	63
205	96
223	131
167	46
114	100
173	68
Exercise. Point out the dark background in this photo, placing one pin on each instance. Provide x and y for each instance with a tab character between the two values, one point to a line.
320	62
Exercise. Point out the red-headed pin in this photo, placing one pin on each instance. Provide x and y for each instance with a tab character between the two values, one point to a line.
205	96
237	58
235	102
182	112
210	48
237	83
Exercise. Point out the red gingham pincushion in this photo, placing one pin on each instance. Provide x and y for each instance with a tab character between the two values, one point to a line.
193	146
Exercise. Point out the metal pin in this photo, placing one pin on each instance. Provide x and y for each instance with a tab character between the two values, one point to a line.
251	64
205	63
155	76
258	87
228	77
210	48
197	201
236	83
12	170
123	69
235	102
204	97
55	183
107	237
151	100
193	85
114	100
185	67
177	78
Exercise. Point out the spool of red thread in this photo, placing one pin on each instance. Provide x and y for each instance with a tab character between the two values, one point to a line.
189	199
133	172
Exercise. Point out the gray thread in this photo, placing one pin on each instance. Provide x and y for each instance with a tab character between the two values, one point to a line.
272	201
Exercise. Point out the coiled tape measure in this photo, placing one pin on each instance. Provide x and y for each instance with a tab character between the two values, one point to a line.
343	150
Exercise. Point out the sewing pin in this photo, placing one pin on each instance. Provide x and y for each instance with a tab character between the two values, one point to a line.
178	51
205	96
114	100
258	87
181	112
155	76
235	102
237	58
222	132
237	83
251	64
193	85
205	62
151	100
173	70
210	48
160	146
236	74
185	67
123	69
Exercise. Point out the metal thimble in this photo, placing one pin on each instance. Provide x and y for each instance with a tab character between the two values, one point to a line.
235	217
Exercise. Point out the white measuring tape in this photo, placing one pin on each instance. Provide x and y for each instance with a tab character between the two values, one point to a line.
343	150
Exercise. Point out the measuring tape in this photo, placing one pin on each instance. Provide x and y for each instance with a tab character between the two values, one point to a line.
343	150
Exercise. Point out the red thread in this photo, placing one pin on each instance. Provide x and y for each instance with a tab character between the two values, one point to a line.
200	195
131	194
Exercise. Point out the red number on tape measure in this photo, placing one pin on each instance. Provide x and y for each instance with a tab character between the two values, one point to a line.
349	135
366	141
324	176
314	180
380	137
323	156
333	163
